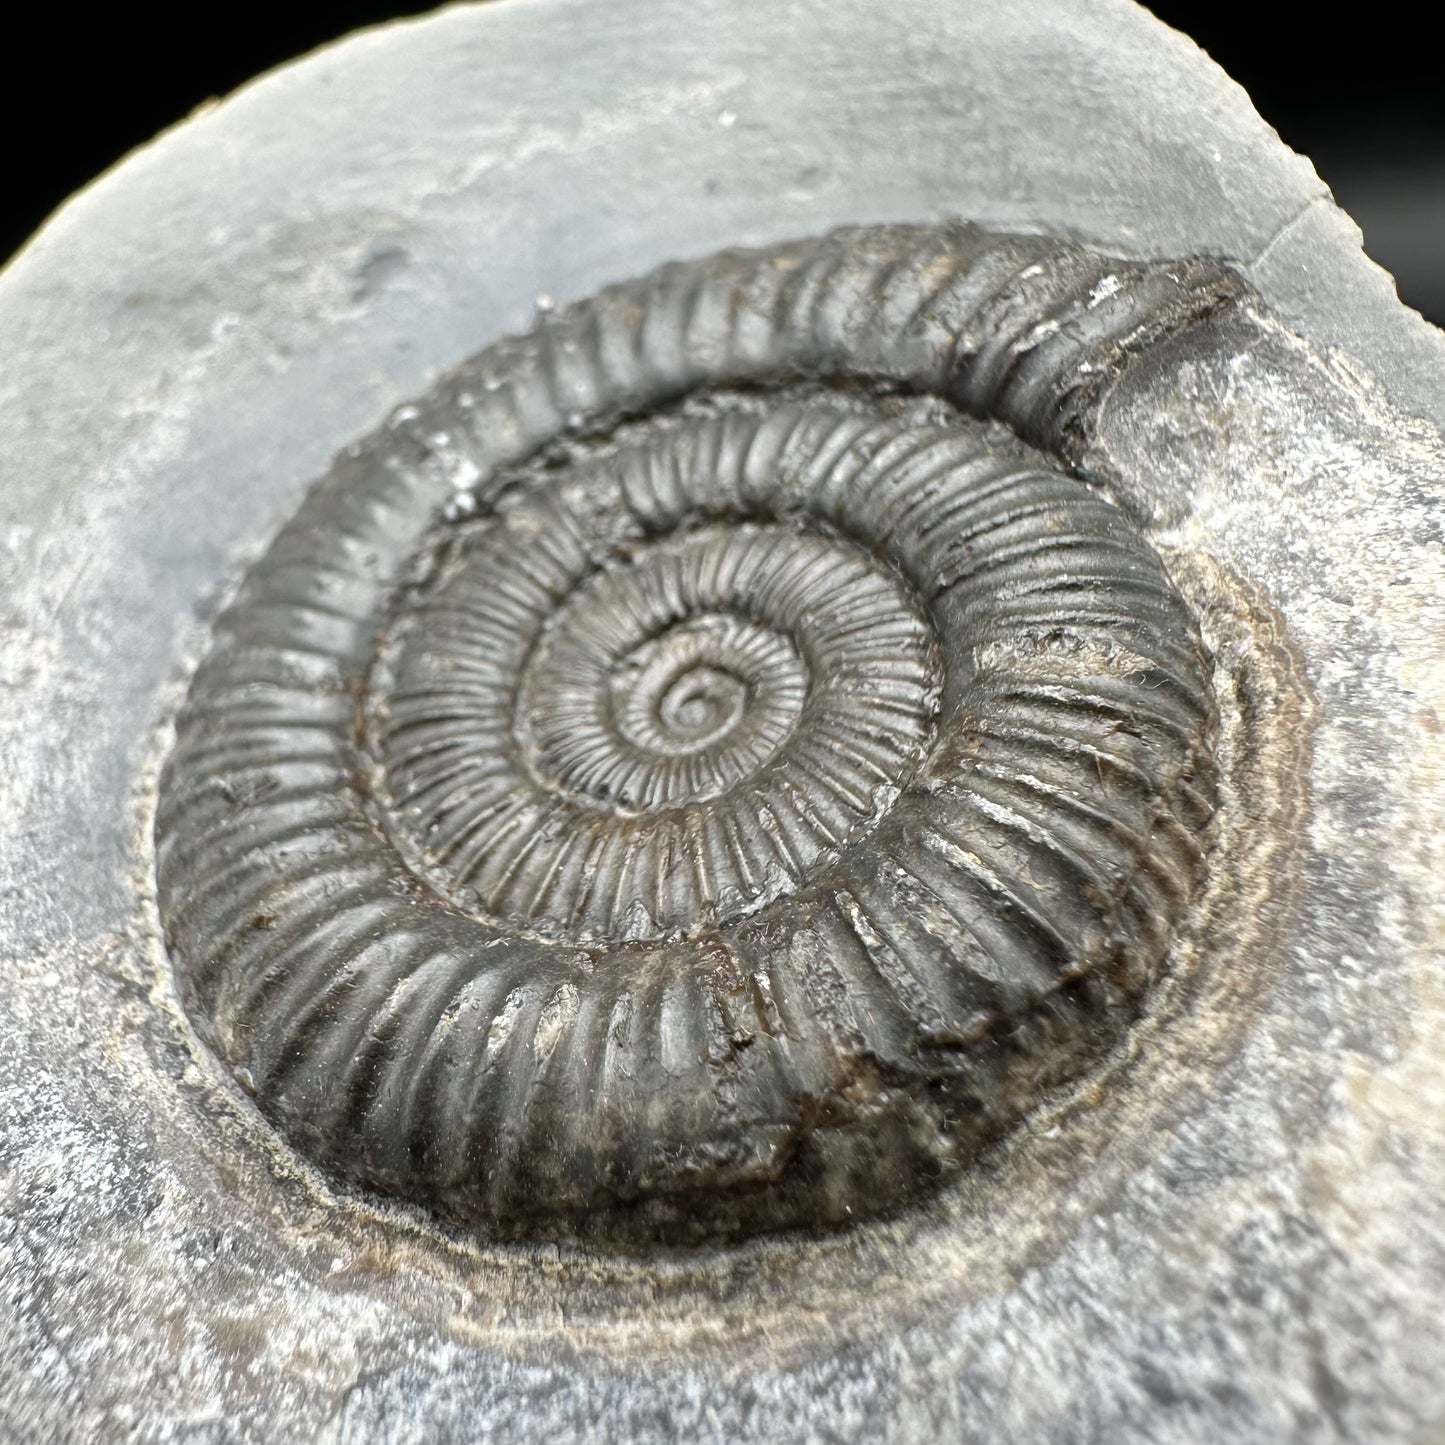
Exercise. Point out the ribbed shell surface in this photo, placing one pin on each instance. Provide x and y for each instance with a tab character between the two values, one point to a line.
689	775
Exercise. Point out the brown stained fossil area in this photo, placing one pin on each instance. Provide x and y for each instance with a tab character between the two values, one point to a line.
707	766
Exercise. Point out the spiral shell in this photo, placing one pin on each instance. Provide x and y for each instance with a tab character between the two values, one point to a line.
686	774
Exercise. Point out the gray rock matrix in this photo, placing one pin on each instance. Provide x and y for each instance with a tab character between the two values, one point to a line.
1209	1205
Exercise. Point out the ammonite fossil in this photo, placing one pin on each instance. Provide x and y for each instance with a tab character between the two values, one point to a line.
708	765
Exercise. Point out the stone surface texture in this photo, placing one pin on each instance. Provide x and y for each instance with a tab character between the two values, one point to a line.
1233	1230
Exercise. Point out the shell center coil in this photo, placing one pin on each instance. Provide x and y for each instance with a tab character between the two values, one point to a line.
580	723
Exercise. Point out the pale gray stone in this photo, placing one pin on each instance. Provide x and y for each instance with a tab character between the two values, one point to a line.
1233	1231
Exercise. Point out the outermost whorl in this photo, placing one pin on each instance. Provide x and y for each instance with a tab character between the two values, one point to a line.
623	803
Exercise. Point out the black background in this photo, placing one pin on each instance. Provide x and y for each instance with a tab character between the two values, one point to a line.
1362	95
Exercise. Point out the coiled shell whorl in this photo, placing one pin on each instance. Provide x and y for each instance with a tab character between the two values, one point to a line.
691	773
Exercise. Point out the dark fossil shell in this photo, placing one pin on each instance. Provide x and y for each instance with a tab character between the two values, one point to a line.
618	800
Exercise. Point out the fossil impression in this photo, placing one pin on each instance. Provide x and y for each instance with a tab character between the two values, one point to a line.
708	765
